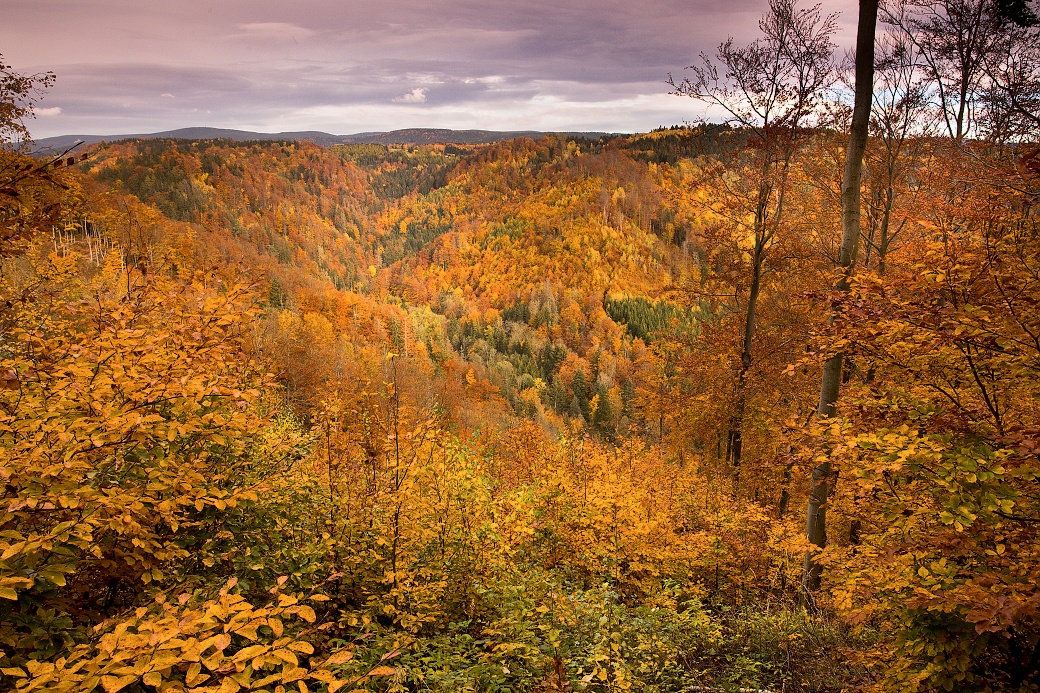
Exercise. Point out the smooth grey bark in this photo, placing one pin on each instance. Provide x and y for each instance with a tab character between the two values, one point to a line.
816	511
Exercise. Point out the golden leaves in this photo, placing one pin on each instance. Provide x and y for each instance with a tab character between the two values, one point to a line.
140	404
183	644
340	657
305	612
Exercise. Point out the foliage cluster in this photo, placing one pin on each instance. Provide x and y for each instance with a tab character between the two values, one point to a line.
534	416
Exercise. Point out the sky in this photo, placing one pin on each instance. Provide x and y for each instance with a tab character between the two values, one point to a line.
348	66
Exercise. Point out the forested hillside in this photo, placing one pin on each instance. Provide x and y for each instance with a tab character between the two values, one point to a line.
537	415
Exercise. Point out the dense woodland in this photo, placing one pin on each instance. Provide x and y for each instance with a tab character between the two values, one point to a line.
541	415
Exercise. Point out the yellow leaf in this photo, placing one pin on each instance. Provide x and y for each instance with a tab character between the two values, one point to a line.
383	671
290	674
8	593
249	652
247	631
260	683
193	673
306	613
287	656
229	685
111	684
323	675
339	657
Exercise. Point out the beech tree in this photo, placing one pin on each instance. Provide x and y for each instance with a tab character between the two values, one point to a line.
771	90
19	94
939	447
900	123
26	185
957	39
1012	98
816	513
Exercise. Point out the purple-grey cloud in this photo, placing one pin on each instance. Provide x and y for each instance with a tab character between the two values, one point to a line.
126	65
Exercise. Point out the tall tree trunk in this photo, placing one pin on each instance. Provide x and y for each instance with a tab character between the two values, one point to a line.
816	512
736	428
886	222
737	422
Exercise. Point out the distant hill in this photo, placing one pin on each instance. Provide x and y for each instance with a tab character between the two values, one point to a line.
438	135
409	136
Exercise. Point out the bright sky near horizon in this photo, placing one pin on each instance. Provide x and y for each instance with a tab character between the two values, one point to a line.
135	66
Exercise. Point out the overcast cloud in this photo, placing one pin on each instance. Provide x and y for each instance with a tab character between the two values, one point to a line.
362	65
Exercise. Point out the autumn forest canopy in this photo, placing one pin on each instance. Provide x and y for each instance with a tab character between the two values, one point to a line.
749	404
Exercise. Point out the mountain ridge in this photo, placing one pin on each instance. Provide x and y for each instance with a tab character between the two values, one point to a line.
402	136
